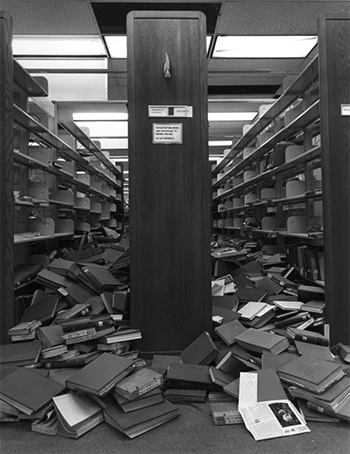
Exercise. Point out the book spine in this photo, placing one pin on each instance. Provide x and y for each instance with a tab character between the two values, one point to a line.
78	334
312	339
286	322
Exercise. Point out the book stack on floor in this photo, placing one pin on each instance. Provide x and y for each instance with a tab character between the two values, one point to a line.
258	343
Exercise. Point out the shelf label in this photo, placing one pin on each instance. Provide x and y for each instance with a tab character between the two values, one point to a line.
345	110
170	111
168	133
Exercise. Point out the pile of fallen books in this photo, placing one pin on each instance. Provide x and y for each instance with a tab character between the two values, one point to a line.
268	353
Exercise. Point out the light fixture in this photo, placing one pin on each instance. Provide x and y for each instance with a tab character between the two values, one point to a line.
264	46
116	45
58	45
231	116
99	116
220	143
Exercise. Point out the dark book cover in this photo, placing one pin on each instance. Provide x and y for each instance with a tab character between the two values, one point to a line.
251	294
314	350
311	373
152	397
101	277
52	280
50	336
27	390
228	331
43	308
20	353
137	422
189	376
79	293
101	374
225	314
269	285
228	302
201	351
258	341
177	395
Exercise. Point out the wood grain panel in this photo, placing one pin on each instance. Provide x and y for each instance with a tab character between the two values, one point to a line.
6	165
334	66
169	183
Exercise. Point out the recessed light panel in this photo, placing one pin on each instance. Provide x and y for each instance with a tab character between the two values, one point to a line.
58	46
264	46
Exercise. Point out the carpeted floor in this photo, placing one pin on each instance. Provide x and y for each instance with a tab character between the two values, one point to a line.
193	432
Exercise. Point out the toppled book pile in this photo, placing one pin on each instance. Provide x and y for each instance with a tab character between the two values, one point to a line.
267	358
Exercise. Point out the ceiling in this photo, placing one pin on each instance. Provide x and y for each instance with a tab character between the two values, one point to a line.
240	84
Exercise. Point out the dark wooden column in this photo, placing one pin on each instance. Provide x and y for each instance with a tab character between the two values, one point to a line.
169	178
6	165
334	67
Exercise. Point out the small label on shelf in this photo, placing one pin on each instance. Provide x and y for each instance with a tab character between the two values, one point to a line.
345	110
170	111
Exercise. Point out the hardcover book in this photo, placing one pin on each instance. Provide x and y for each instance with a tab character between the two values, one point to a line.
77	413
229	331
28	391
20	354
152	397
201	351
101	374
177	395
138	383
225	413
311	373
258	341
190	376
137	422
307	336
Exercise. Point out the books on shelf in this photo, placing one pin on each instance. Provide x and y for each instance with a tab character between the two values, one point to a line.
76	413
101	375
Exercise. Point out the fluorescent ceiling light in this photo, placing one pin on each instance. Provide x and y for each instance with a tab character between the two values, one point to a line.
99	129
116	45
63	63
58	45
231	116
99	116
264	46
219	143
209	38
